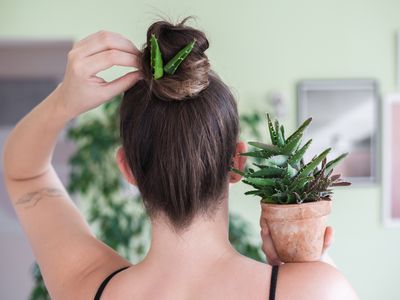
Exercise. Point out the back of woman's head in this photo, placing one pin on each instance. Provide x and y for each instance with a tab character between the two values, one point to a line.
179	132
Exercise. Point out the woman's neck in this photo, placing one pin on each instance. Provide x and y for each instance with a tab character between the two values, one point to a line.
205	242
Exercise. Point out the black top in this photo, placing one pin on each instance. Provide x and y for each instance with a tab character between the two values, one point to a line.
272	288
274	279
105	281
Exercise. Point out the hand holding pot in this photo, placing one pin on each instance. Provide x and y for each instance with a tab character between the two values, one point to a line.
269	248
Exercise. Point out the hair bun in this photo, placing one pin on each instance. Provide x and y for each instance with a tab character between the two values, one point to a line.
192	75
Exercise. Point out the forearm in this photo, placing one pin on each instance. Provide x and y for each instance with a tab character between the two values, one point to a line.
29	147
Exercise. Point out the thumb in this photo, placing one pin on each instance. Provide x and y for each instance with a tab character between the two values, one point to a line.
123	83
328	238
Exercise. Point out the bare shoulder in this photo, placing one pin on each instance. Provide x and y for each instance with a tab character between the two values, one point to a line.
315	280
104	261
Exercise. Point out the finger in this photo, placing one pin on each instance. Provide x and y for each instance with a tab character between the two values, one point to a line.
263	222
269	248
328	238
106	59
121	84
84	40
104	40
112	39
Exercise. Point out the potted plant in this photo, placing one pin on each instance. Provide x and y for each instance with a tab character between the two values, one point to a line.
295	196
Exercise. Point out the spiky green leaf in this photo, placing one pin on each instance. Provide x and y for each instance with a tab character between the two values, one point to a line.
280	140
258	154
300	182
174	63
290	171
254	192
269	171
278	160
298	155
283	132
299	130
156	61
279	196
333	163
292	145
260	181
237	171
267	147
272	133
308	168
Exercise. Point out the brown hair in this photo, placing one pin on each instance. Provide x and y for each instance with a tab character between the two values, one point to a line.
179	132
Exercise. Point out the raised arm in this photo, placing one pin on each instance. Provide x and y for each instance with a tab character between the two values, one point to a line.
63	245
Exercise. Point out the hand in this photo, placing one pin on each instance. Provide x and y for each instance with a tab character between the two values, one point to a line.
269	249
81	90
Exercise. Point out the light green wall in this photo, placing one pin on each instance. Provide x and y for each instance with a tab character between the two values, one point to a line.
259	46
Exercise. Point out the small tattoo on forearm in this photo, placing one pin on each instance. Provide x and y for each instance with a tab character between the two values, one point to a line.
31	199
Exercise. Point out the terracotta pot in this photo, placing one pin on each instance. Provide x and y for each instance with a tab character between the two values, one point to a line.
297	230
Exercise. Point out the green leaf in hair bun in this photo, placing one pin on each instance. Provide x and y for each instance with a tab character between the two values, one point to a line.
174	63
156	58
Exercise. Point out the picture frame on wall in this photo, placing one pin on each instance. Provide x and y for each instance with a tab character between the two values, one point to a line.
391	161
346	118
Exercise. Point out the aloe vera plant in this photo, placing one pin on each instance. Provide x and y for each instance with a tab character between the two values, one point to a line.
284	177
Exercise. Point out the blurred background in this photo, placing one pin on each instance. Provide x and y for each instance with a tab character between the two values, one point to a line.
336	61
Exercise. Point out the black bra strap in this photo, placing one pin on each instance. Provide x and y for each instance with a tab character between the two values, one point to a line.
104	283
274	279
272	288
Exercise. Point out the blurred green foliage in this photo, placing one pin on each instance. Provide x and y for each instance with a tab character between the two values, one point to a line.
117	217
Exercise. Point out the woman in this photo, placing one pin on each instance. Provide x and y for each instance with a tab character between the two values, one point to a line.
179	137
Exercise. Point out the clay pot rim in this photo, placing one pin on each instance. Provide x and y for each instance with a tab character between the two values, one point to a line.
292	219
294	204
293	212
